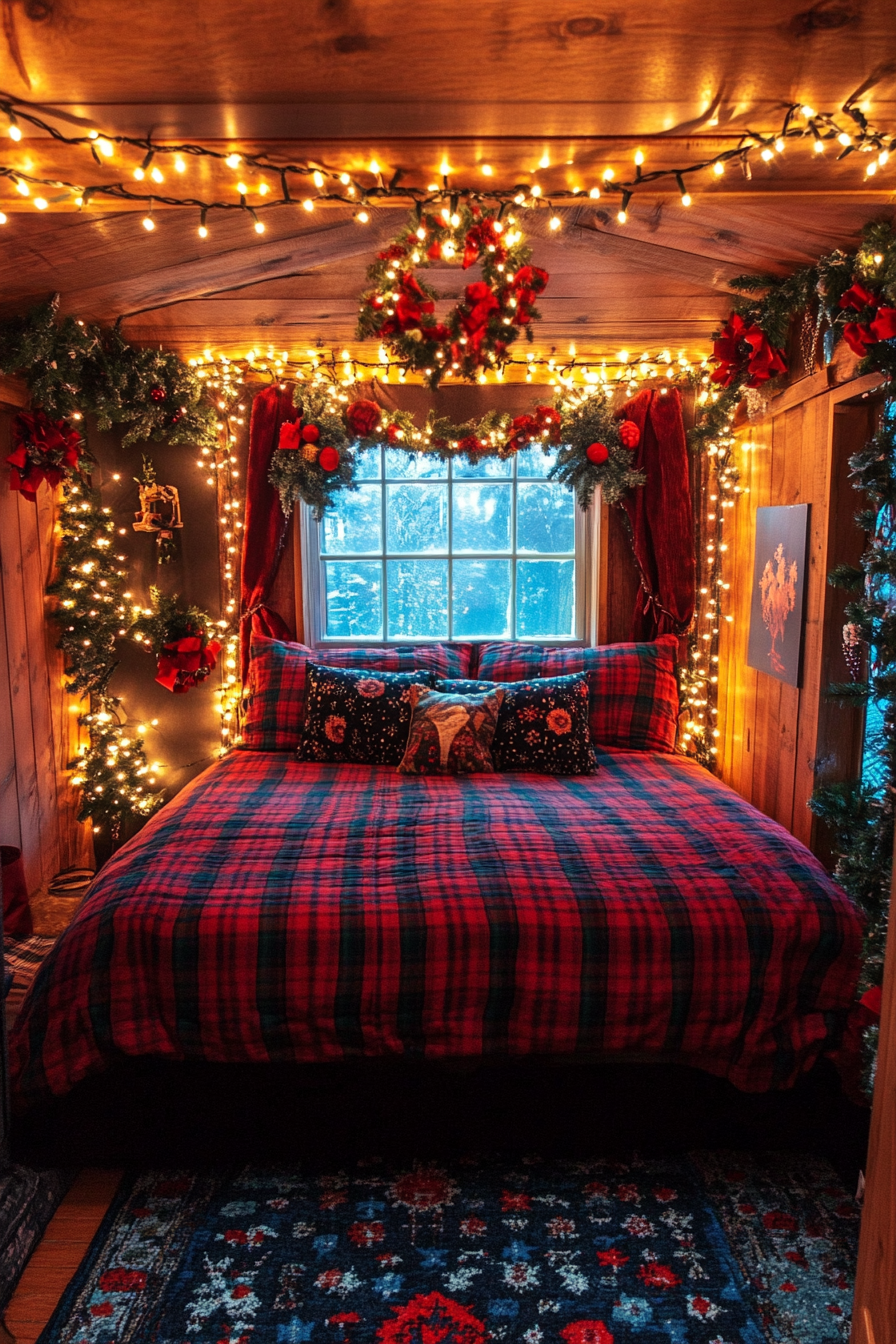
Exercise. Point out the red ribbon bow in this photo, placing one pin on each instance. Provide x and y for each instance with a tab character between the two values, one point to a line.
43	450
860	336
185	662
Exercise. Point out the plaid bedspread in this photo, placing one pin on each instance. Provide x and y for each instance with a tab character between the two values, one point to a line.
285	911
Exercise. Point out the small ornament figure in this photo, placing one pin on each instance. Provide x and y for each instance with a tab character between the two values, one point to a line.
159	511
852	650
310	452
157	393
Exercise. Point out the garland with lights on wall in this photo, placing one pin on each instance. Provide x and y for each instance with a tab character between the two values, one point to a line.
73	369
845	132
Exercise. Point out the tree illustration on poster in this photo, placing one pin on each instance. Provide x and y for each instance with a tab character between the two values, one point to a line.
776	607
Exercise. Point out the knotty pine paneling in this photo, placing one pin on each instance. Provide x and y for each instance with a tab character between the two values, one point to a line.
779	742
38	730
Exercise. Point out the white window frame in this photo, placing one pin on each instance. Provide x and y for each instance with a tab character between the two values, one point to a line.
587	570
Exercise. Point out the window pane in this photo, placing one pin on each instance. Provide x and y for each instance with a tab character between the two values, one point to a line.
535	463
545	599
354	525
485	466
417	518
481	516
418	599
545	517
481	599
354	599
403	466
367	465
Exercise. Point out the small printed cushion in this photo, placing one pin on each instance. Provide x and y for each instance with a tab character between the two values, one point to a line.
358	715
634	689
451	734
542	726
277	673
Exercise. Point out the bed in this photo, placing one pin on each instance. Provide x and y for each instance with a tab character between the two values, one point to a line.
286	911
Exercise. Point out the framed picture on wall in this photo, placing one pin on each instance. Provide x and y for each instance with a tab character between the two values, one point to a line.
779	585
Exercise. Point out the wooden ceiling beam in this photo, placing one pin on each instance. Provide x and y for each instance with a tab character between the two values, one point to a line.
327	243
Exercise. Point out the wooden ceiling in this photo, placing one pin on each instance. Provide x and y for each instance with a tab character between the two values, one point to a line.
509	84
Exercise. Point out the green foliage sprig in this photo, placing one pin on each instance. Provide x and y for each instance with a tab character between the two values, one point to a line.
592	422
75	368
167	621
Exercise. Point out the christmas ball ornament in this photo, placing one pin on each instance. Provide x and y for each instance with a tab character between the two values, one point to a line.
310	434
157	393
630	434
597	453
310	452
178	415
329	459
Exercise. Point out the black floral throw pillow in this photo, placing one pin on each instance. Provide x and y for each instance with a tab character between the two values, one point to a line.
358	716
542	726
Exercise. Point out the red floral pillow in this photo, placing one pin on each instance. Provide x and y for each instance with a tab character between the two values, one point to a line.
276	691
634	688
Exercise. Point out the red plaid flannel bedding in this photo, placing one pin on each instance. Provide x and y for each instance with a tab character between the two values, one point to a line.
285	911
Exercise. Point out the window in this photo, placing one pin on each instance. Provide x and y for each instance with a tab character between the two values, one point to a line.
426	549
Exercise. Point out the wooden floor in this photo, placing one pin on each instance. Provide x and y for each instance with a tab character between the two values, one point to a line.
55	1260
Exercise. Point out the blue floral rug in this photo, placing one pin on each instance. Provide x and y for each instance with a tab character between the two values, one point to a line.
707	1249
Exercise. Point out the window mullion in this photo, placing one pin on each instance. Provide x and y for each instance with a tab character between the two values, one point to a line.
450	550
385	586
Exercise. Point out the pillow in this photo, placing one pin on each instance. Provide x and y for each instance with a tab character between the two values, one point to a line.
634	689
451	734
358	715
542	726
276	688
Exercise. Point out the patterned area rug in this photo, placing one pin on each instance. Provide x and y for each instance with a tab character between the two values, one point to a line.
710	1249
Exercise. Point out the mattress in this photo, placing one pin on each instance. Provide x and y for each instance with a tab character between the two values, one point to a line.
286	911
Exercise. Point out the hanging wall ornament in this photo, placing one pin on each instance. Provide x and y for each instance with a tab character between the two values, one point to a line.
313	459
159	512
181	638
399	309
42	450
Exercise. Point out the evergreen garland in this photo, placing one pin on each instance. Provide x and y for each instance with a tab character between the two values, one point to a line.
590	424
74	368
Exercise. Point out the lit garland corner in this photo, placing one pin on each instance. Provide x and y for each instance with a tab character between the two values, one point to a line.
74	368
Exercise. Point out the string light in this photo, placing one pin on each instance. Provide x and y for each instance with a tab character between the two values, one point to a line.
799	122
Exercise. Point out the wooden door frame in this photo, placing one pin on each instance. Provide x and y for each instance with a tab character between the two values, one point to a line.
874	1301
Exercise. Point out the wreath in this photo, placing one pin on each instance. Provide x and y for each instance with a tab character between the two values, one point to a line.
399	309
180	637
42	450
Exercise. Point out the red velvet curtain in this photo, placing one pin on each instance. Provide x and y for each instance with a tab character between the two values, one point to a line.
265	524
661	517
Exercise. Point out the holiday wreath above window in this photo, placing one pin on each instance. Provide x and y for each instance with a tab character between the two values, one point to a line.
399	309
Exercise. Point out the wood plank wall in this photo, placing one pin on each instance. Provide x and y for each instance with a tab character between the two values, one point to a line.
38	731
778	741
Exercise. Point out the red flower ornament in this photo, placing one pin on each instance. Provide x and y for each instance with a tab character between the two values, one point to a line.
879	325
290	436
186	662
42	450
630	434
363	418
745	349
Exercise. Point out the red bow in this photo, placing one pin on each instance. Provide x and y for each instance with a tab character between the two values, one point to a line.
185	662
478	239
745	349
43	450
860	336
